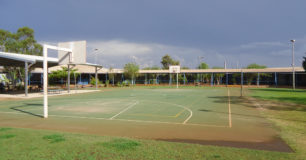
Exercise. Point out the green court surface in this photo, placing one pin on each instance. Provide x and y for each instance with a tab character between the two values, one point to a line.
185	106
189	114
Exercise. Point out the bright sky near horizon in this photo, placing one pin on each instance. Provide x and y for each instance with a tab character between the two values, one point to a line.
240	31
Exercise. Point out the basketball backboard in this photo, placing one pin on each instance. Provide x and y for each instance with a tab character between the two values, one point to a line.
175	69
78	55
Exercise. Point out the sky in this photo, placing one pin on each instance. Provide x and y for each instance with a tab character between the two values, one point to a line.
239	32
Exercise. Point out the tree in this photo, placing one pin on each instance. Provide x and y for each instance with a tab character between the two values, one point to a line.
22	42
218	76
205	77
131	71
167	61
62	75
251	76
203	66
304	63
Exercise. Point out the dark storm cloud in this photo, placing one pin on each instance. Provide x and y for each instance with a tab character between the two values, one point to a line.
215	29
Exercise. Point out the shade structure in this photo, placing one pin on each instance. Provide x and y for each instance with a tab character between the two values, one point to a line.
18	60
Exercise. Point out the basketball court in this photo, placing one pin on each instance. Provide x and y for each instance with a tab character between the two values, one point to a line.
196	115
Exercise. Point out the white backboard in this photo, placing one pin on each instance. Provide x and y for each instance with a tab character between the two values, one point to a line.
175	69
78	55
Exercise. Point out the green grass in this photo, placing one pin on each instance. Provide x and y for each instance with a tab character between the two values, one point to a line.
280	94
7	136
287	110
121	144
54	138
31	144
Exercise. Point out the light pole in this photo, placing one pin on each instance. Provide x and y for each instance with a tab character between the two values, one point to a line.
200	58
96	54
96	70
293	70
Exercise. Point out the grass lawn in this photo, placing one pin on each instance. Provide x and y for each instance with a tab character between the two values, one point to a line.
281	94
40	144
287	110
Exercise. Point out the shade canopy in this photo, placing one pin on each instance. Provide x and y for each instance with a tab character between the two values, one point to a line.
18	60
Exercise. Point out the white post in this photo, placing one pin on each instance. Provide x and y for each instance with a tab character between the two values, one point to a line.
75	83
68	78
258	79
26	78
176	80
241	87
293	70
96	77
45	68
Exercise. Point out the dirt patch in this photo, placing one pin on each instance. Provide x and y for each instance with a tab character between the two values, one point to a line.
274	145
9	99
86	109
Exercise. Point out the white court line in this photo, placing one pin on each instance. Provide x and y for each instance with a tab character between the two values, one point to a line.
229	109
128	120
181	106
130	106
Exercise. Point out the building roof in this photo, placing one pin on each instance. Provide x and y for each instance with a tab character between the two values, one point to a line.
91	70
15	59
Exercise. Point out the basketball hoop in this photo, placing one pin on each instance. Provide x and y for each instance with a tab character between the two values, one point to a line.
175	69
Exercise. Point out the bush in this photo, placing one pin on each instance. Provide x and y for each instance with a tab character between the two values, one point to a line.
106	83
93	81
118	84
126	83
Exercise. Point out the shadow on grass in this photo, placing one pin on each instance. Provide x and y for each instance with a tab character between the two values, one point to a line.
226	113
244	101
276	105
289	107
23	109
277	90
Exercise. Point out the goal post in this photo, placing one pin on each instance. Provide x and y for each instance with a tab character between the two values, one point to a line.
45	72
69	53
175	69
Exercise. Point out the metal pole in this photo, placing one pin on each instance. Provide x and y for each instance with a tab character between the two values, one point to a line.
226	79
293	70
26	78
184	79
275	79
212	79
68	78
45	68
176	80
113	79
75	83
96	77
241	89
258	79
81	78
170	79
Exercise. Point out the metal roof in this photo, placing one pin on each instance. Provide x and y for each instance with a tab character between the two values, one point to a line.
90	70
15	59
